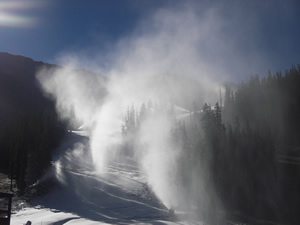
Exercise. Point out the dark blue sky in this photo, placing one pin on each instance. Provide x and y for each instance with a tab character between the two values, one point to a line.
67	24
265	33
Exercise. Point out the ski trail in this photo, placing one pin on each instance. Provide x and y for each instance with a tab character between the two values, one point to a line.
120	195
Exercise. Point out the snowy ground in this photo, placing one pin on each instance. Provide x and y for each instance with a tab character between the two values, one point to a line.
120	195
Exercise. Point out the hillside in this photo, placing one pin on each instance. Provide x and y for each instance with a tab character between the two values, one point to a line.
19	90
120	195
21	93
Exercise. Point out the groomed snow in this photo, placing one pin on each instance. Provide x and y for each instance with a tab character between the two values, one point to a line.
119	195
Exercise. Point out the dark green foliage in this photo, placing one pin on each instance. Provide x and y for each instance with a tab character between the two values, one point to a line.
270	105
29	141
246	152
29	128
259	162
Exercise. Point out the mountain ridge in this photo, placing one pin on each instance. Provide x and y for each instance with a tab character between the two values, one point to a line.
19	90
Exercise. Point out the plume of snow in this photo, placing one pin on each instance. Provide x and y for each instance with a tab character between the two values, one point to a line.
176	41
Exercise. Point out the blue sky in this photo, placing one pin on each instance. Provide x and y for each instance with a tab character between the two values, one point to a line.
244	37
67	25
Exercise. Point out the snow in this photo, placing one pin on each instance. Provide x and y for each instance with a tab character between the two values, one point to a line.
119	195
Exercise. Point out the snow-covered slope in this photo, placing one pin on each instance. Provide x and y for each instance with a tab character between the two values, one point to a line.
118	195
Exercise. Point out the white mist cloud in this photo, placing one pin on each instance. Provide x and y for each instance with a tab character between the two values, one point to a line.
178	42
70	88
160	157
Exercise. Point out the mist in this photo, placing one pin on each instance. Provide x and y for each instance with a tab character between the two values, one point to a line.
170	44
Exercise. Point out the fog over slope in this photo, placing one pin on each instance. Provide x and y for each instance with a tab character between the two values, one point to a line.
147	65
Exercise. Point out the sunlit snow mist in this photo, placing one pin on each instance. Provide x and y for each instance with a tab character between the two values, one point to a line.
168	43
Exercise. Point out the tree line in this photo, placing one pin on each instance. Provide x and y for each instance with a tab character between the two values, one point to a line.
246	150
26	146
259	168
